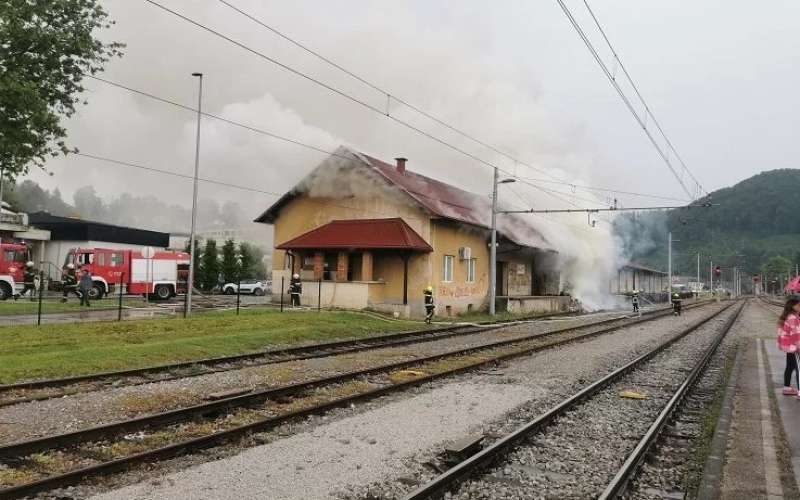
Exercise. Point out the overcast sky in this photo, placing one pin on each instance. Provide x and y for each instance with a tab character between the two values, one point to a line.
720	75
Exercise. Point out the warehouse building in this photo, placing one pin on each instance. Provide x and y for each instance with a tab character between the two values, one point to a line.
646	280
363	233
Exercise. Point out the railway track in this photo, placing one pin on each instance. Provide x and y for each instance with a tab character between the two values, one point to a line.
71	457
40	390
771	301
573	450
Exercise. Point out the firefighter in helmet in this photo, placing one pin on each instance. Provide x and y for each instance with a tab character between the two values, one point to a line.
69	282
29	280
635	302
429	306
676	304
295	289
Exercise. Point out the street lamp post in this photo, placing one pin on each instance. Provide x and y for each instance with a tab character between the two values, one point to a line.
238	282
493	244
190	283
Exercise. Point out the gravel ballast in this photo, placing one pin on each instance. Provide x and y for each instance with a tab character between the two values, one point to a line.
399	424
580	452
80	411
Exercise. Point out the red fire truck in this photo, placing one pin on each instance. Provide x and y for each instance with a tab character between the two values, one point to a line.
12	267
158	273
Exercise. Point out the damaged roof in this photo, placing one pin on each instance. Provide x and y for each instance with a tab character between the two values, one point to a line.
366	234
440	199
639	267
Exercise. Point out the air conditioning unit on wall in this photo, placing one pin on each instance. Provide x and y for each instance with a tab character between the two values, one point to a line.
464	253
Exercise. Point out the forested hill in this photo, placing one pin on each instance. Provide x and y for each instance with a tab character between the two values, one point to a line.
750	223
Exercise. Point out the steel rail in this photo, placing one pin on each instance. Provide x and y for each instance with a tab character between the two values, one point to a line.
24	448
245	400
437	487
630	467
297	353
227	363
300	353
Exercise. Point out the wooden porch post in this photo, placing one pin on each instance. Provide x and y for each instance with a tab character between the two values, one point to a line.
405	278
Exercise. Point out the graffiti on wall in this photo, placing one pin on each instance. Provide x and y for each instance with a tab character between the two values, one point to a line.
462	291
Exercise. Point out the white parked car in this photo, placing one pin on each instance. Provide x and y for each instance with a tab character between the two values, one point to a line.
255	287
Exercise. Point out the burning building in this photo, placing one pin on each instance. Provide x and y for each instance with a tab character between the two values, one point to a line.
362	233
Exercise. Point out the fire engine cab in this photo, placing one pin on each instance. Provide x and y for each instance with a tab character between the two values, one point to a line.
158	273
12	268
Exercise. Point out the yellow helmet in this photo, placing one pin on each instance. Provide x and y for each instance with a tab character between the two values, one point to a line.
429	289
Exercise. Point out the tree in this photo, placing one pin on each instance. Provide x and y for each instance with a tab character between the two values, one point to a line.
229	266
47	47
209	266
196	257
252	261
777	269
88	204
231	214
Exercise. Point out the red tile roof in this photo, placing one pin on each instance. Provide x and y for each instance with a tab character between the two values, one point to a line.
366	234
439	199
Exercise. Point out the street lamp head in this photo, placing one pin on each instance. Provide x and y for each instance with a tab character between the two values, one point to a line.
198	74
506	181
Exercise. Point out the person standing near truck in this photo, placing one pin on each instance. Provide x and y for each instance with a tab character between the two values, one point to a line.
69	282
85	286
29	281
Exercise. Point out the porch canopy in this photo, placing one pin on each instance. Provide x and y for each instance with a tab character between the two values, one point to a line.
366	236
361	234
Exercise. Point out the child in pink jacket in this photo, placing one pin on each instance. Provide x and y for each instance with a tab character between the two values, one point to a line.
789	342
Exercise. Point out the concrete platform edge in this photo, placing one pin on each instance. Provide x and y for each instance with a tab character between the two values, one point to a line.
711	483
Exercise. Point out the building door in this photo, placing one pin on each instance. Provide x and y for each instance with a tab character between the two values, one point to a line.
502	268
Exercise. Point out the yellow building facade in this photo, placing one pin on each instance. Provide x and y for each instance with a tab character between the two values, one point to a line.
362	234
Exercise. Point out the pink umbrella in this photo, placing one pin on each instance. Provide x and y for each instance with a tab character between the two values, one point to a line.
793	286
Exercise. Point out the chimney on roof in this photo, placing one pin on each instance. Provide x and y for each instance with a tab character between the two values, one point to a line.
401	164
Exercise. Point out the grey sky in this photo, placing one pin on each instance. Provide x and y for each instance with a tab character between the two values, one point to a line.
720	76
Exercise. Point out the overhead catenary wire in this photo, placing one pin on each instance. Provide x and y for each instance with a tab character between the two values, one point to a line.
390	95
642	122
352	98
258	130
251	189
639	94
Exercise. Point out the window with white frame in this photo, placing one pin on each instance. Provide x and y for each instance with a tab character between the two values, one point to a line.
471	270
448	268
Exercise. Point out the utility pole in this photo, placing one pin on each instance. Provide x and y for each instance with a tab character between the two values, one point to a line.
493	250
698	274
711	275
669	263
190	283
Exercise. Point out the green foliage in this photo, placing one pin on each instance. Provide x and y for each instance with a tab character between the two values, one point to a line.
229	267
209	266
30	197
58	350
252	261
777	267
754	221
47	47
196	253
